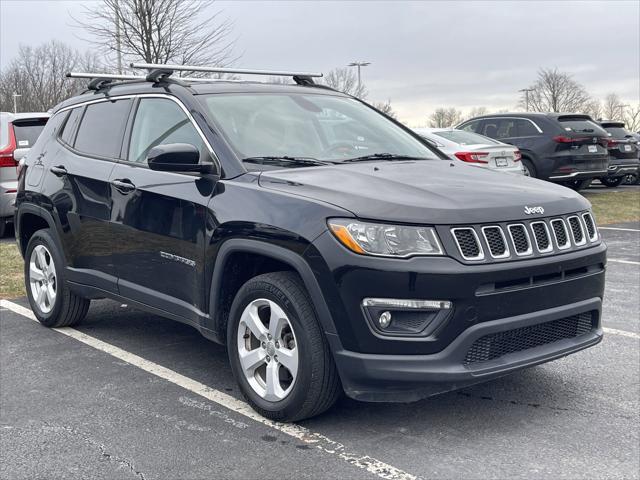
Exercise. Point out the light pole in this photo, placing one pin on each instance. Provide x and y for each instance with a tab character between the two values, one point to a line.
526	96
359	65
15	105
621	107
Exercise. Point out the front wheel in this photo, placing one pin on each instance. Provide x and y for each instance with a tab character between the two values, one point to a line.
53	304
277	350
611	182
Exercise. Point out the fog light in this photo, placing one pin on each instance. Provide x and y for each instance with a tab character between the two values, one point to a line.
385	319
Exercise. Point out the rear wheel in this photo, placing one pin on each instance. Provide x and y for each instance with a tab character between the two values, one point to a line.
528	168
53	304
611	182
277	350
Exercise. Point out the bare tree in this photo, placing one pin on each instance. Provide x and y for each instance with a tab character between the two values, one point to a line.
160	31
631	117
344	80
556	91
593	108
38	75
477	112
445	117
385	107
612	107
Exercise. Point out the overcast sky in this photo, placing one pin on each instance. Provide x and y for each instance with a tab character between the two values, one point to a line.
423	54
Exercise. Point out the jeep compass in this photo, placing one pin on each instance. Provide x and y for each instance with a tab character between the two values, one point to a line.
326	245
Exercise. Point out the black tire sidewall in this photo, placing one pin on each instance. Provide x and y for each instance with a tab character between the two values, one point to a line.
293	402
528	164
612	182
44	237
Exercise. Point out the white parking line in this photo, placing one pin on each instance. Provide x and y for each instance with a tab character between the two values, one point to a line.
628	262
619	229
623	333
318	440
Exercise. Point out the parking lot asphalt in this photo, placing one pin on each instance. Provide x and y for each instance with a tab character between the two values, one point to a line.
132	395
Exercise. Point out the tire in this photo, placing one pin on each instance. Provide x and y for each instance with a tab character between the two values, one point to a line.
578	185
3	227
63	308
315	386
611	182
529	169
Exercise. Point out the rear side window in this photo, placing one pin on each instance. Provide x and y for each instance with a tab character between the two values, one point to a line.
525	128
159	122
70	125
101	129
28	131
580	125
472	126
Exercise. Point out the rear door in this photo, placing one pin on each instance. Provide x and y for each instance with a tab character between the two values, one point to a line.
77	184
159	218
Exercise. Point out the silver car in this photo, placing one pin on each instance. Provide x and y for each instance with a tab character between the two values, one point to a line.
18	133
474	149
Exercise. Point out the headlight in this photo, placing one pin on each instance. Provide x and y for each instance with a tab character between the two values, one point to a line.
386	240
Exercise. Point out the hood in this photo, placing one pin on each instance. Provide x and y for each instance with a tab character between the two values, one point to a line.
425	192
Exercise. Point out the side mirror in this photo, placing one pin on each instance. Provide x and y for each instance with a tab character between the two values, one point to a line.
176	157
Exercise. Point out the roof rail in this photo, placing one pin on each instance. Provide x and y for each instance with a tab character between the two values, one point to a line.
240	71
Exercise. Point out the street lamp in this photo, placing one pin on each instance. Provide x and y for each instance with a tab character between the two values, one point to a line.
359	64
526	96
15	105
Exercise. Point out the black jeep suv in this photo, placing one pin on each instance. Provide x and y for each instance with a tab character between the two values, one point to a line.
570	149
327	245
624	153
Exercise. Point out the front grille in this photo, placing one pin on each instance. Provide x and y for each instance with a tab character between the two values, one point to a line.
499	344
561	234
468	243
591	226
576	230
496	241
541	235
520	239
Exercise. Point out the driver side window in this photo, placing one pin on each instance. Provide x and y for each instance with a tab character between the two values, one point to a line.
158	122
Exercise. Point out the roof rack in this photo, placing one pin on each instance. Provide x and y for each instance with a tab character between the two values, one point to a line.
240	71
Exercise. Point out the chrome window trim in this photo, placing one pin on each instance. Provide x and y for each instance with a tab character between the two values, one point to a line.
506	253
214	157
595	227
566	233
526	232
513	118
546	229
480	249
582	228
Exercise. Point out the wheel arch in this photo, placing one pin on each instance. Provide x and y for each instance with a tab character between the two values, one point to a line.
28	220
222	291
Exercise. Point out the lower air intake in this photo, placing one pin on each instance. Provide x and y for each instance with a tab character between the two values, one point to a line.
499	344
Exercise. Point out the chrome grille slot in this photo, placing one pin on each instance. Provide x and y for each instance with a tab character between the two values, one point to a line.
541	237
497	242
576	231
591	226
560	233
468	243
520	239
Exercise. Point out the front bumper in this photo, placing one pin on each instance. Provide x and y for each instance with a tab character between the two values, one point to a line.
406	378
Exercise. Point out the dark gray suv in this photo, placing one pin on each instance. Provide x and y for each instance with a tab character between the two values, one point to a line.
565	148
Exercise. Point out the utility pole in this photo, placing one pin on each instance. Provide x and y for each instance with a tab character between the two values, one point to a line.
15	105
118	44
621	107
359	64
526	96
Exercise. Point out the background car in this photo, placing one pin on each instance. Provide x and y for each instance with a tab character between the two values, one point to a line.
565	148
18	133
474	149
623	153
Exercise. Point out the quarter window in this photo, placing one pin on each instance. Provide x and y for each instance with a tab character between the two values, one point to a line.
160	122
102	128
70	125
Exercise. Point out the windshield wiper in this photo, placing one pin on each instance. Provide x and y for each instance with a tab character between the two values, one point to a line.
285	160
383	156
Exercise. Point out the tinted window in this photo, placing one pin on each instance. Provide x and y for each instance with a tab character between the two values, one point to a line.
28	131
526	129
618	132
465	138
101	129
159	122
580	124
472	126
70	125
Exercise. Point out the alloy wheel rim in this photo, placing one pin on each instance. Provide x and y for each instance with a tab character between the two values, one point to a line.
267	349
42	278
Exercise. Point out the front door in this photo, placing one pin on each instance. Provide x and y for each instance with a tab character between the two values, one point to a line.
159	217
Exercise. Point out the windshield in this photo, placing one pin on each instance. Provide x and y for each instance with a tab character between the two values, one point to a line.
309	126
582	125
465	138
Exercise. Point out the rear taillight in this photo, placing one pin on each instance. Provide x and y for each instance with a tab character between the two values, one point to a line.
6	154
611	142
473	157
563	139
517	156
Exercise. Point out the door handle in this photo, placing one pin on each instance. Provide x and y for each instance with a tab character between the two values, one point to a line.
58	170
123	185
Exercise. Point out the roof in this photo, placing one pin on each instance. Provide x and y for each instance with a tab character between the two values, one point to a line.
531	114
